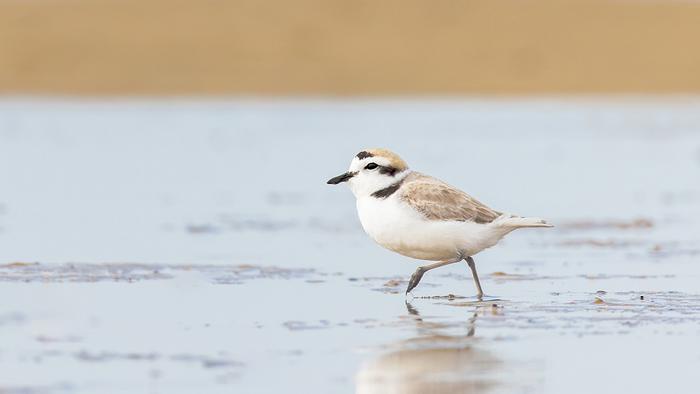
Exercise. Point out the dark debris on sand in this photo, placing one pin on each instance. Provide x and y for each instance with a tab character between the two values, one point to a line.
132	272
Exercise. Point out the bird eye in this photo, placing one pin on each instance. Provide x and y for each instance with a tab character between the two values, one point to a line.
371	166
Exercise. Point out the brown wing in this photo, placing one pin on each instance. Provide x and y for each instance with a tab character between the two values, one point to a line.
439	201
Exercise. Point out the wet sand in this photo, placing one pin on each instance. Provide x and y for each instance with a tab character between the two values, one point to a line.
332	333
199	249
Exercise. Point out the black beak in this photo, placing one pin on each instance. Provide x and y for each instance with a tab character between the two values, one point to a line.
341	178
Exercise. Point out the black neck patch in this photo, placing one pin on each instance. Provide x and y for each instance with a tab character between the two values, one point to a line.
364	155
387	191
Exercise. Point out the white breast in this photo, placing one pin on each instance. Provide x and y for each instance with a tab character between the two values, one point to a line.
398	227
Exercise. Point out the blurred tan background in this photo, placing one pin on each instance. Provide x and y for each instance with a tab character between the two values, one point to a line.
346	47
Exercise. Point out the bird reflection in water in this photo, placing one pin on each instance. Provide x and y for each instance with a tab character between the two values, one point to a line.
432	362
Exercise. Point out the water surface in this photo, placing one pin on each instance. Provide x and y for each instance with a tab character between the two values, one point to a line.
172	246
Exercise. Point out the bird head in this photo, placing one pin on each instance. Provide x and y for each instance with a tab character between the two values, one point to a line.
372	170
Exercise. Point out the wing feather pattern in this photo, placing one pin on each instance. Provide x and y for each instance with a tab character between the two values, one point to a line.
437	200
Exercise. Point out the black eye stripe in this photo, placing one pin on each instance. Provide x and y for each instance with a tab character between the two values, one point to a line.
391	171
384	170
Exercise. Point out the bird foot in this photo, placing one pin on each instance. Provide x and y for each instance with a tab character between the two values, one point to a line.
415	279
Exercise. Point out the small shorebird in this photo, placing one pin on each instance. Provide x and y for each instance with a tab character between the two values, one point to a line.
422	217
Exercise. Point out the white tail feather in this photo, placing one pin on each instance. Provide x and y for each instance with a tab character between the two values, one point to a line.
519	222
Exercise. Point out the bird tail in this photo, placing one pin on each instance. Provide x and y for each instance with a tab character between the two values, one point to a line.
512	221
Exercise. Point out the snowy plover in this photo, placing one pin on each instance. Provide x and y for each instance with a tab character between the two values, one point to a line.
422	217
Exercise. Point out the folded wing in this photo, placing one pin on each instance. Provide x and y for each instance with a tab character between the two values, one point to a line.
437	200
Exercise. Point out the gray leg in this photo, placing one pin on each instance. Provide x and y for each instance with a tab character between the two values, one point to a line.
416	277
472	266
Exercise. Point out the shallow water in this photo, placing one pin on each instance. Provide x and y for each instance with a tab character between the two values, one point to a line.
171	246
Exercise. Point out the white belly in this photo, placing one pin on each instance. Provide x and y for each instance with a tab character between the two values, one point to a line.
397	227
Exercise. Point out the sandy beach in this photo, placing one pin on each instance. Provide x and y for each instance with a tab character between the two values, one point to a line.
166	226
340	47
